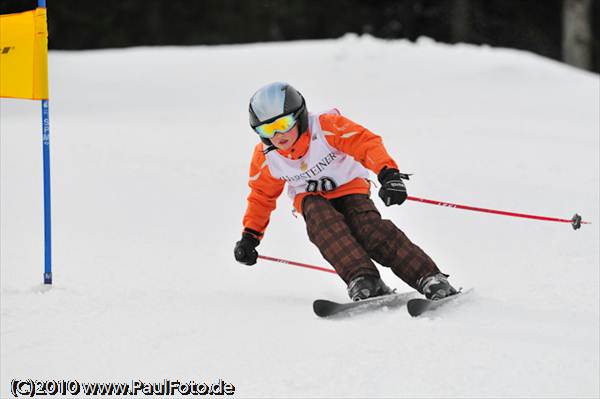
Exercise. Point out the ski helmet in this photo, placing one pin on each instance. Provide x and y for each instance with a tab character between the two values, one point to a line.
275	100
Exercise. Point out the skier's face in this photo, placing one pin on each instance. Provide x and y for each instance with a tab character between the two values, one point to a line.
284	141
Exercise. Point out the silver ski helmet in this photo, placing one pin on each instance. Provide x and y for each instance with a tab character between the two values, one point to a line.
275	100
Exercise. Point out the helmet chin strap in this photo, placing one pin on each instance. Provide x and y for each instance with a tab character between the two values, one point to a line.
299	133
271	146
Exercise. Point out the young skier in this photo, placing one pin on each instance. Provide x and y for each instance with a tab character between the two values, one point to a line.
324	158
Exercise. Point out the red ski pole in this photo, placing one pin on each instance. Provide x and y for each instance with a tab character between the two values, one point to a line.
575	221
289	262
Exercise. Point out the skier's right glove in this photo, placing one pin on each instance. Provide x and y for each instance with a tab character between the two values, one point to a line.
245	251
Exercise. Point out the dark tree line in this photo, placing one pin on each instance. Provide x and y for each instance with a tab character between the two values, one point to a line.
524	24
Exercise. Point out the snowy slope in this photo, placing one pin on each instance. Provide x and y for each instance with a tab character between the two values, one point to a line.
150	151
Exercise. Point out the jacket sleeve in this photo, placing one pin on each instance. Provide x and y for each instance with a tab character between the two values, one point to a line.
363	145
264	191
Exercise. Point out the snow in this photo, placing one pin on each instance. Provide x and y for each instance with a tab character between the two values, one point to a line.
150	153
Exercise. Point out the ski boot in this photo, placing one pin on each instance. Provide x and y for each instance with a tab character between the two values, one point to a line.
364	287
436	286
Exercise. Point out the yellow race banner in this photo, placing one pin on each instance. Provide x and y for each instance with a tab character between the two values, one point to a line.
24	55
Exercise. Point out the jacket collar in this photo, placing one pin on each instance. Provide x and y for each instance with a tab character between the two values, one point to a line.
300	147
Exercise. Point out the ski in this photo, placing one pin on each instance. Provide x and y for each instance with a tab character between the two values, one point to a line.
418	306
326	308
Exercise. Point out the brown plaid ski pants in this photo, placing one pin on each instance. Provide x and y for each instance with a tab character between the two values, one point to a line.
349	232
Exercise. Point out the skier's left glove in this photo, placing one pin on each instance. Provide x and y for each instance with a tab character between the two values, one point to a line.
393	190
245	251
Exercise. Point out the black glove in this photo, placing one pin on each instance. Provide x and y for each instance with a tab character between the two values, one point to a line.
245	251
393	190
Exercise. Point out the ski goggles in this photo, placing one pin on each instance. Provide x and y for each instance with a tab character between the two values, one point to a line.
282	124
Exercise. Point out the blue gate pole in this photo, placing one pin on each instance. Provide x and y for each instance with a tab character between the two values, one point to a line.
46	161
47	219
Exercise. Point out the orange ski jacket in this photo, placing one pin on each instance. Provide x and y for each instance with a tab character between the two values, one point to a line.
349	137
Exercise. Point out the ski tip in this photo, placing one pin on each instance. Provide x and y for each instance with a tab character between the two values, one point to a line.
416	306
321	307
